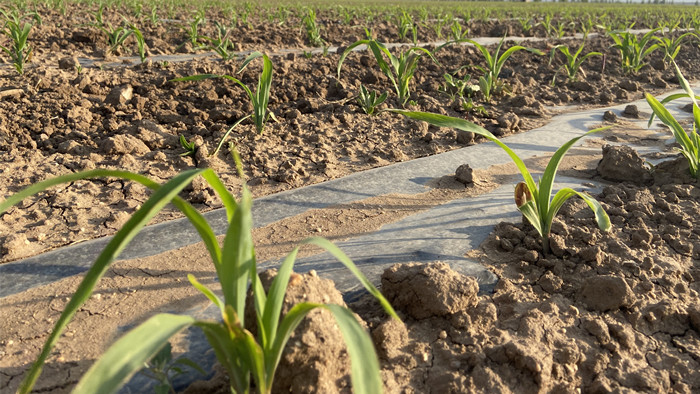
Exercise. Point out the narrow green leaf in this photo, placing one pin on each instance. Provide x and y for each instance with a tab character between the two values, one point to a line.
670	121
121	239
238	256
363	359
207	292
601	217
129	354
343	258
347	51
275	299
461	124
289	323
547	181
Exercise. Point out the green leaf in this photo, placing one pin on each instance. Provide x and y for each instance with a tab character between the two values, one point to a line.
275	300
289	323
669	120
461	124
601	217
550	172
343	258
128	355
226	350
208	293
347	51
363	359
150	208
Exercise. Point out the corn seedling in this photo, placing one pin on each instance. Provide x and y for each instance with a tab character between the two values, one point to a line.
458	32
439	24
572	64
153	16
489	82
140	43
457	88
19	51
115	36
588	25
245	358
632	49
222	45
99	17
400	69
260	98
313	31
163	369
560	29
547	24
690	144
526	25
189	147
369	101
469	106
192	31
405	24
672	46
533	199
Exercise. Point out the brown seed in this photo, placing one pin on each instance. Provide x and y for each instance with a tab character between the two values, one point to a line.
522	194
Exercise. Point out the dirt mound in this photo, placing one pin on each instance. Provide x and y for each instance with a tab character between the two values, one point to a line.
605	312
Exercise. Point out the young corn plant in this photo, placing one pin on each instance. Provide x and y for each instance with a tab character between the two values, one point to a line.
115	36
192	31
547	24
260	98
99	17
689	142
313	31
163	369
405	24
458	32
458	88
400	69
633	50
369	101
153	16
672	46
560	29
222	45
588	25
140	43
526	25
533	199
19	50
489	82
245	358
189	147
572	64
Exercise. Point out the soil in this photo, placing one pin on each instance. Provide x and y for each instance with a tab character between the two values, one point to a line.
57	119
604	312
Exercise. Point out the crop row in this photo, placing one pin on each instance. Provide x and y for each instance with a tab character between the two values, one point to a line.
168	26
245	357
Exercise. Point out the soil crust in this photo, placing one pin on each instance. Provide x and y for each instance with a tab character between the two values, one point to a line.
57	119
